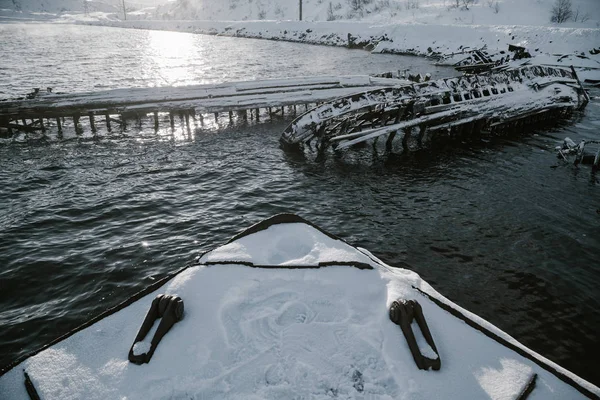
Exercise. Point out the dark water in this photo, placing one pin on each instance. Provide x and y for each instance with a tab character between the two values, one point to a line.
502	228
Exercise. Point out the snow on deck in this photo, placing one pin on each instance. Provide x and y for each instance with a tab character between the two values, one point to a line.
253	333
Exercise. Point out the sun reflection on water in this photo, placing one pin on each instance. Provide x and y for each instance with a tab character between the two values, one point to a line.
174	59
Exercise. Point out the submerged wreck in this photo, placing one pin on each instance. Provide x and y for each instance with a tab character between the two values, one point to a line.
419	114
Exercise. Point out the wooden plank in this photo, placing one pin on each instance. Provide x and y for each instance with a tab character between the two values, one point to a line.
25	128
92	122
253	94
78	129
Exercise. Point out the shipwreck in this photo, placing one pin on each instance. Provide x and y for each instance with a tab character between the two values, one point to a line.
419	114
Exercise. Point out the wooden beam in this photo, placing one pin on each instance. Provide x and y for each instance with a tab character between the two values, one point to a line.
390	139
25	128
422	131
78	129
92	122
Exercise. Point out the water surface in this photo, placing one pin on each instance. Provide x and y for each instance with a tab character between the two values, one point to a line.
502	227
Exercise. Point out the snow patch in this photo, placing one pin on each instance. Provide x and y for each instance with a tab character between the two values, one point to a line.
290	244
424	347
142	347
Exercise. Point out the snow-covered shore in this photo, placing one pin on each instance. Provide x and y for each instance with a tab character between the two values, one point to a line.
417	39
428	26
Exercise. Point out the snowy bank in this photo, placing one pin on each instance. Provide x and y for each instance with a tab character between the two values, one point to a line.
416	39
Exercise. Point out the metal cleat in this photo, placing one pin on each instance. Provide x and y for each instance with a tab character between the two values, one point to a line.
170	310
402	313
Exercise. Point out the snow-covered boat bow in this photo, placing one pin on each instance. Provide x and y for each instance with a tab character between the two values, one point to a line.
287	310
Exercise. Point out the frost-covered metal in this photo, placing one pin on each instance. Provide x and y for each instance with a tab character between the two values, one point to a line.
462	106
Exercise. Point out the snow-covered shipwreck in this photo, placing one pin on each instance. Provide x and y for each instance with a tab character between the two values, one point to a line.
420	114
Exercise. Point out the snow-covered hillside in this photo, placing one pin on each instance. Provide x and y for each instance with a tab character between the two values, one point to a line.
478	12
586	13
59	6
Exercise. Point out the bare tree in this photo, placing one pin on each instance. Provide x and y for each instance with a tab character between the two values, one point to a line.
579	17
330	13
467	3
562	11
494	5
356	4
412	4
585	17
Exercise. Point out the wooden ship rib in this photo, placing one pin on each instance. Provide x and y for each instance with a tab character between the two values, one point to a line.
420	113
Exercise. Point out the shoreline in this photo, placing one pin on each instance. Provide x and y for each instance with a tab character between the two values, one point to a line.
404	39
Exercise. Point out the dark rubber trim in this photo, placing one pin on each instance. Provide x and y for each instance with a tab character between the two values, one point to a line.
155	286
33	394
509	345
280	219
355	264
529	388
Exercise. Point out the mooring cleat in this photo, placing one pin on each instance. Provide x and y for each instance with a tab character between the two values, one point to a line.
170	310
402	313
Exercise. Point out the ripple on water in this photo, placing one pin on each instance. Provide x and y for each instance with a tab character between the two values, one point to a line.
86	222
